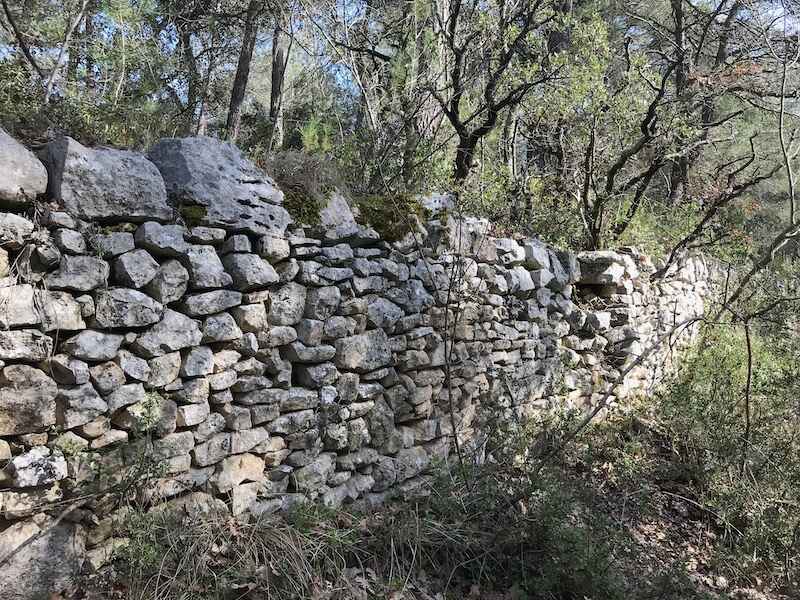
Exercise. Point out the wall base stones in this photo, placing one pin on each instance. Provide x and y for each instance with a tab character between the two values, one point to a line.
259	364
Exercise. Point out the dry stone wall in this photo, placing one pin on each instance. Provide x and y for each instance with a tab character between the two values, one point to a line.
165	305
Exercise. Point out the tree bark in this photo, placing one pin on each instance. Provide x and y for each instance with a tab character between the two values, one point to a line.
279	60
243	70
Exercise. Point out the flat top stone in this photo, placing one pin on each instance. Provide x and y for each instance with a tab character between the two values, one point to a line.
216	186
22	177
104	184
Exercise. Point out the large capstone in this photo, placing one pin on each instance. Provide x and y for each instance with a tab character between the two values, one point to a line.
104	184
27	400
23	177
215	185
365	352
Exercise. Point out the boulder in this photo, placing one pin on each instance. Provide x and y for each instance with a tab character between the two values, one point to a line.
45	566
216	186
122	307
69	241
23	176
27	400
173	332
104	184
363	353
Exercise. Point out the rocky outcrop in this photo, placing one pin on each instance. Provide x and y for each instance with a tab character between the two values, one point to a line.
261	364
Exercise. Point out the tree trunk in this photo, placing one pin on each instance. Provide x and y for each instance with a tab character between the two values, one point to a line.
679	173
242	70
279	60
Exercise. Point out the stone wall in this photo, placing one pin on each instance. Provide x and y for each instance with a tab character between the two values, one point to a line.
166	306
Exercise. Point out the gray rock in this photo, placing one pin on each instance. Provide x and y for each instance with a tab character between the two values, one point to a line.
208	303
27	400
14	230
249	271
49	559
79	273
67	370
194	391
39	466
322	303
155	414
133	366
164	369
93	345
122	307
316	376
237	243
17	306
287	304
135	269
197	361
213	450
126	395
272	248
220	328
310	331
112	244
207	235
205	268
314	475
602	267
363	353
23	178
228	190
299	352
69	241
174	331
161	240
250	317
79	405
27	345
60	311
170	282
107	377
383	313
192	414
104	184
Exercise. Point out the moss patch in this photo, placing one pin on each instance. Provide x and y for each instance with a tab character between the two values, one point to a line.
193	215
391	216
